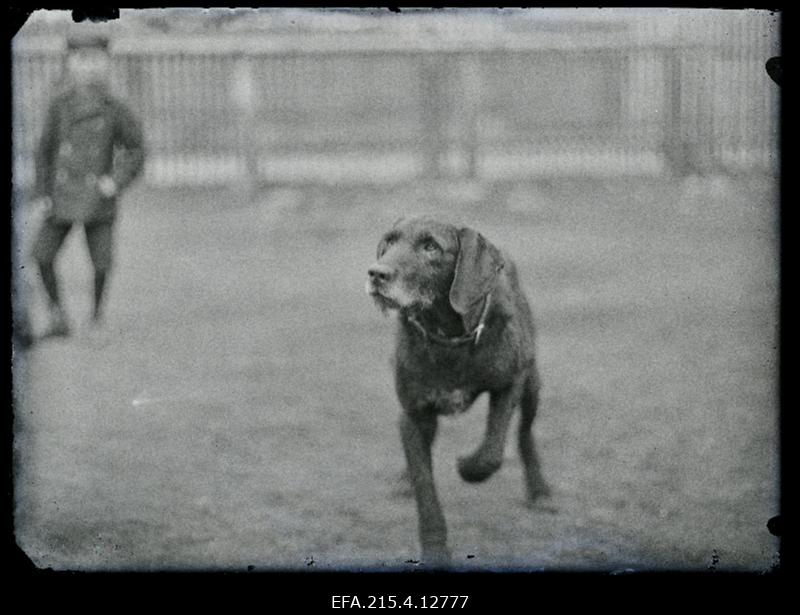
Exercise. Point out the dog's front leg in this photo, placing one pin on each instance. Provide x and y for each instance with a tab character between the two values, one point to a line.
418	432
485	461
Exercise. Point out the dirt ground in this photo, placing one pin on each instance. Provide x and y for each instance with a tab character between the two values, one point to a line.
238	409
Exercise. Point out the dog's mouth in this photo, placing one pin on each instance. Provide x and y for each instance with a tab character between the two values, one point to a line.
385	303
381	300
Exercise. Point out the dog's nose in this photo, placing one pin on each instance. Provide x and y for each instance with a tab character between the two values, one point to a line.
380	273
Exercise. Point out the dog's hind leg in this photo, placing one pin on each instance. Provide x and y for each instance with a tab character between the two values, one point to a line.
418	432
535	485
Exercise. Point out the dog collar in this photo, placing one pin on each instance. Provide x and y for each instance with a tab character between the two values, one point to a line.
474	335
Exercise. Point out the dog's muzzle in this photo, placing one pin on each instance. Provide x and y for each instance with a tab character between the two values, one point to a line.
379	279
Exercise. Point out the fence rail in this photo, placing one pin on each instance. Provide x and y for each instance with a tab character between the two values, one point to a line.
219	111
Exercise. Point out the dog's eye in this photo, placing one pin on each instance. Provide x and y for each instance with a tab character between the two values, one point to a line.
430	246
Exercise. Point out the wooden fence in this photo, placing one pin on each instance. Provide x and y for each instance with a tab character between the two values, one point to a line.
634	99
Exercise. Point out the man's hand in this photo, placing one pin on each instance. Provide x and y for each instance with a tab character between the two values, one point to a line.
42	204
107	186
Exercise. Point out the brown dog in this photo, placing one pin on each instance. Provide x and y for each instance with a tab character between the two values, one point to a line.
464	328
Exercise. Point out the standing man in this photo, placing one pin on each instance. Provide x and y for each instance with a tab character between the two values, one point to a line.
90	150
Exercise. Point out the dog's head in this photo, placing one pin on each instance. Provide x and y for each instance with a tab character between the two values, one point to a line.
422	261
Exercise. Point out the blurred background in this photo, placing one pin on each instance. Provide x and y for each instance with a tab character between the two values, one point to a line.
238	410
376	97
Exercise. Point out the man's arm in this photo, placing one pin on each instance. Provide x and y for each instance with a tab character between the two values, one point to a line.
128	135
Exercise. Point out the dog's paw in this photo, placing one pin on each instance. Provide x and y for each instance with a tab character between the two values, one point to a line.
476	468
542	507
538	490
436	556
539	499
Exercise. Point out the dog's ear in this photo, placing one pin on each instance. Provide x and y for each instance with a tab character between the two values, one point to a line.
479	262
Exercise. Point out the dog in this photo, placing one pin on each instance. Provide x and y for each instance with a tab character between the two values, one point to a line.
464	328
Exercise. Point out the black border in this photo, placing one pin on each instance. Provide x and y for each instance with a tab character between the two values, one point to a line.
268	590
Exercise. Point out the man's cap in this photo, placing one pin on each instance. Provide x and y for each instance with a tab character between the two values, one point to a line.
87	41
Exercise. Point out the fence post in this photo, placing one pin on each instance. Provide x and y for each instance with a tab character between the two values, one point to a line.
243	93
471	97
675	148
433	116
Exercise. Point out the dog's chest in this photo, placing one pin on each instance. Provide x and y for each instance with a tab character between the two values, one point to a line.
446	401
